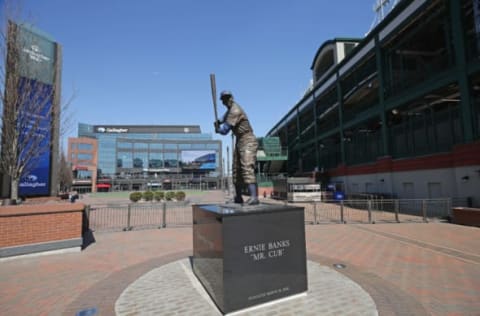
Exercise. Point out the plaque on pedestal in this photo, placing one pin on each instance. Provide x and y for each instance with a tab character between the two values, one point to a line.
245	256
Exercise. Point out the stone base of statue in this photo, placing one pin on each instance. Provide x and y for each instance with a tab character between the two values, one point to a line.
249	255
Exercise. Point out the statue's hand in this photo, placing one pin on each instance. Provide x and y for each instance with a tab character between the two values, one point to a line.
217	126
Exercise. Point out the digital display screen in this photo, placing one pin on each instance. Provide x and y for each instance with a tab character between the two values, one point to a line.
198	160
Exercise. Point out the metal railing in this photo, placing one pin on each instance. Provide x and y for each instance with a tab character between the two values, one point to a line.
173	214
377	211
138	216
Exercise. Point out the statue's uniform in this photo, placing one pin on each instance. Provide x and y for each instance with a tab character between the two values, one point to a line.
246	145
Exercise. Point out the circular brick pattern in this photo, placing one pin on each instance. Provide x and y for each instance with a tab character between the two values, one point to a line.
173	289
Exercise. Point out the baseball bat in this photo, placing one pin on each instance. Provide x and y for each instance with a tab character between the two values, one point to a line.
214	94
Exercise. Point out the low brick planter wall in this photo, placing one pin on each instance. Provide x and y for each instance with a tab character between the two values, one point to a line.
26	229
466	216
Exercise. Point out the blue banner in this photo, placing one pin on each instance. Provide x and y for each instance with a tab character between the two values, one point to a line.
36	180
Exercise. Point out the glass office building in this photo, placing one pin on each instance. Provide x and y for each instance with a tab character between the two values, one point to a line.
155	151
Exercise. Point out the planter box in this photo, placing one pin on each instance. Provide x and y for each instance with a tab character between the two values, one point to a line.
466	216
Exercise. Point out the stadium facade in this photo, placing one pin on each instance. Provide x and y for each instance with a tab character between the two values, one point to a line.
141	157
396	113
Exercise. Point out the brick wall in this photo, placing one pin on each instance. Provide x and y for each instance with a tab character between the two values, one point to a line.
30	224
466	216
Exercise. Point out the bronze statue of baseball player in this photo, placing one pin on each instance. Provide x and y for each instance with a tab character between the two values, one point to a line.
246	145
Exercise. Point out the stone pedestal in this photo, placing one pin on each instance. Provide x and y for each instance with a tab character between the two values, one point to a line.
245	256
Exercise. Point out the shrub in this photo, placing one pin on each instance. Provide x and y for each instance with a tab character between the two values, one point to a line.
180	196
159	195
147	195
169	195
135	196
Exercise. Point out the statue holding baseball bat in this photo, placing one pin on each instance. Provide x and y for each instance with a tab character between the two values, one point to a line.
246	145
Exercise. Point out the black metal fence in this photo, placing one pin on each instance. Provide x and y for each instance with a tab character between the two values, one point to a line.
172	214
376	211
115	217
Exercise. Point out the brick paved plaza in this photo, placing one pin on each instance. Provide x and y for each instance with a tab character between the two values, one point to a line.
405	269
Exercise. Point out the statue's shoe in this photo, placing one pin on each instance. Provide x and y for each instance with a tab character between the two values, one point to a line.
252	201
235	200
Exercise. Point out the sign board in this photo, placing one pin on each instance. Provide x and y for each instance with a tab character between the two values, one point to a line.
37	59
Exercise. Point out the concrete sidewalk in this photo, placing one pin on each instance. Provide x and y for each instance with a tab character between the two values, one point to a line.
409	269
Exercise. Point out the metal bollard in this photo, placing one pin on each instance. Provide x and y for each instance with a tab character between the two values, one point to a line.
342	217
128	219
397	207
315	221
449	209
424	211
369	205
160	224
164	215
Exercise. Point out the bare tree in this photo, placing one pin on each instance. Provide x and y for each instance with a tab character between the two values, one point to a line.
65	178
30	106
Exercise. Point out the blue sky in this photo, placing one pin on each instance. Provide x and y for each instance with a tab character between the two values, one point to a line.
148	62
